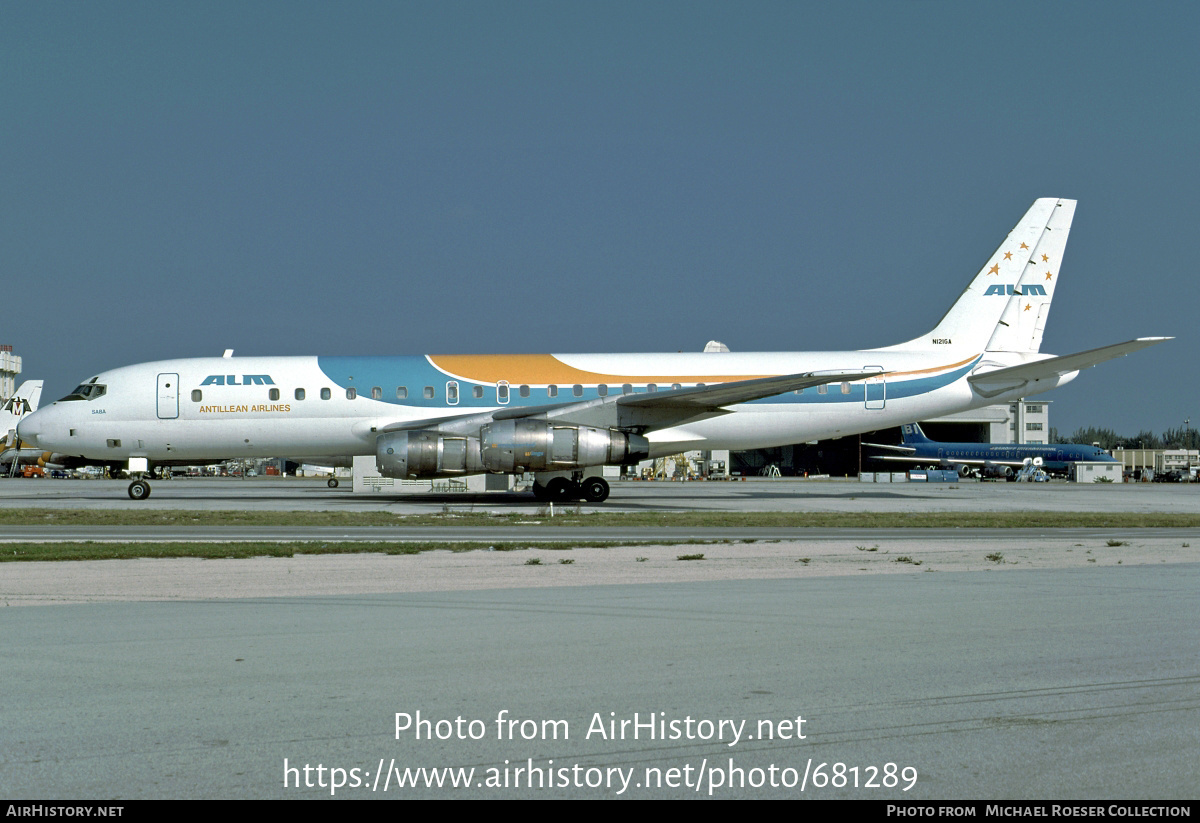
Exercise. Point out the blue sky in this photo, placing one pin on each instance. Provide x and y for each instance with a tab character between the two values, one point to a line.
396	178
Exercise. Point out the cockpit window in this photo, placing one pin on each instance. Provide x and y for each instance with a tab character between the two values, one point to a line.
87	391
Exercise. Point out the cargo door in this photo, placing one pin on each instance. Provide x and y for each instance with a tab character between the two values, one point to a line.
168	396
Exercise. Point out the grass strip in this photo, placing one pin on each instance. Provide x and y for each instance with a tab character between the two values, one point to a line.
93	550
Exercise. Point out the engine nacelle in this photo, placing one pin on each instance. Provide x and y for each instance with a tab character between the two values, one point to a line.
515	446
426	454
507	446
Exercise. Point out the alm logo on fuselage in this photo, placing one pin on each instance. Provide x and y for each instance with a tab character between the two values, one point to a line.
1027	289
232	380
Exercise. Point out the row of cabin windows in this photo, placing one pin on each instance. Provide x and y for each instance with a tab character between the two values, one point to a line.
429	392
502	392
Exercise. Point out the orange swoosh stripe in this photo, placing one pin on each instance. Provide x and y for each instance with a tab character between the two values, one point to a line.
541	369
545	369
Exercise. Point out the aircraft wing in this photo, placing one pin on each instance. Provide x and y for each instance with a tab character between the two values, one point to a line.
1006	379
905	449
647	411
740	391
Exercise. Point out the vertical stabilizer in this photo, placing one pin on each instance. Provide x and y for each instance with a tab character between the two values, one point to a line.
1004	308
23	402
911	433
1024	320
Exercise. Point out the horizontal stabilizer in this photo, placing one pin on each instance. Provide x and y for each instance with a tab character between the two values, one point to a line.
1005	379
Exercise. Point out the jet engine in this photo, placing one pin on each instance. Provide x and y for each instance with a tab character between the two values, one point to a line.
426	454
515	446
508	447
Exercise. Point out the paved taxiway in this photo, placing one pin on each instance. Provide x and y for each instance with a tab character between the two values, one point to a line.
272	493
1007	680
1072	683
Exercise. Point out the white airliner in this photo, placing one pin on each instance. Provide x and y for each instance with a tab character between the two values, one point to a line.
561	414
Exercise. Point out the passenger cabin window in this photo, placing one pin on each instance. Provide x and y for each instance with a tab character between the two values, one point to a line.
523	391
401	392
477	392
845	388
602	390
675	386
273	394
452	392
299	394
376	393
577	390
428	392
652	387
326	394
627	388
552	391
823	389
502	392
351	393
197	395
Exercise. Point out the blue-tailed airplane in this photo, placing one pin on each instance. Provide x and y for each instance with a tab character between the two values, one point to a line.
997	459
562	415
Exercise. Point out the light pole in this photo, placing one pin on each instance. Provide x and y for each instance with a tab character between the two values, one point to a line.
1187	440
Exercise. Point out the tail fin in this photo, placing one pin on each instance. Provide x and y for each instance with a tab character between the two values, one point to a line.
911	433
24	400
1005	306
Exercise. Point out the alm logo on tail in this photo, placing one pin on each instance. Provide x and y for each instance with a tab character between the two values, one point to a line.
1010	289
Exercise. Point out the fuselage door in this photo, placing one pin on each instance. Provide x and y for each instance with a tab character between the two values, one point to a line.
875	391
168	396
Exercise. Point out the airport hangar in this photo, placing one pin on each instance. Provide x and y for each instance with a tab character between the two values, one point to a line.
1019	422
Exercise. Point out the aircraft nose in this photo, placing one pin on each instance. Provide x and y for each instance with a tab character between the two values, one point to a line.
27	430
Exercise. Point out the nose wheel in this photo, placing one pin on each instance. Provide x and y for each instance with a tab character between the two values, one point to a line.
139	490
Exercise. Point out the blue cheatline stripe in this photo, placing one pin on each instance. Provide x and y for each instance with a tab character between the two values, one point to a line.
415	373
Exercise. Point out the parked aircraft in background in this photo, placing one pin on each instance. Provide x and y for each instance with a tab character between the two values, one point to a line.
561	416
996	459
23	402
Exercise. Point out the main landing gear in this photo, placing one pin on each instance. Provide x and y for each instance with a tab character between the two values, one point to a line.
139	489
564	490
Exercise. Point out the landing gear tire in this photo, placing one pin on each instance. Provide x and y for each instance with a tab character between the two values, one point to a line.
561	490
332	483
595	489
139	490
